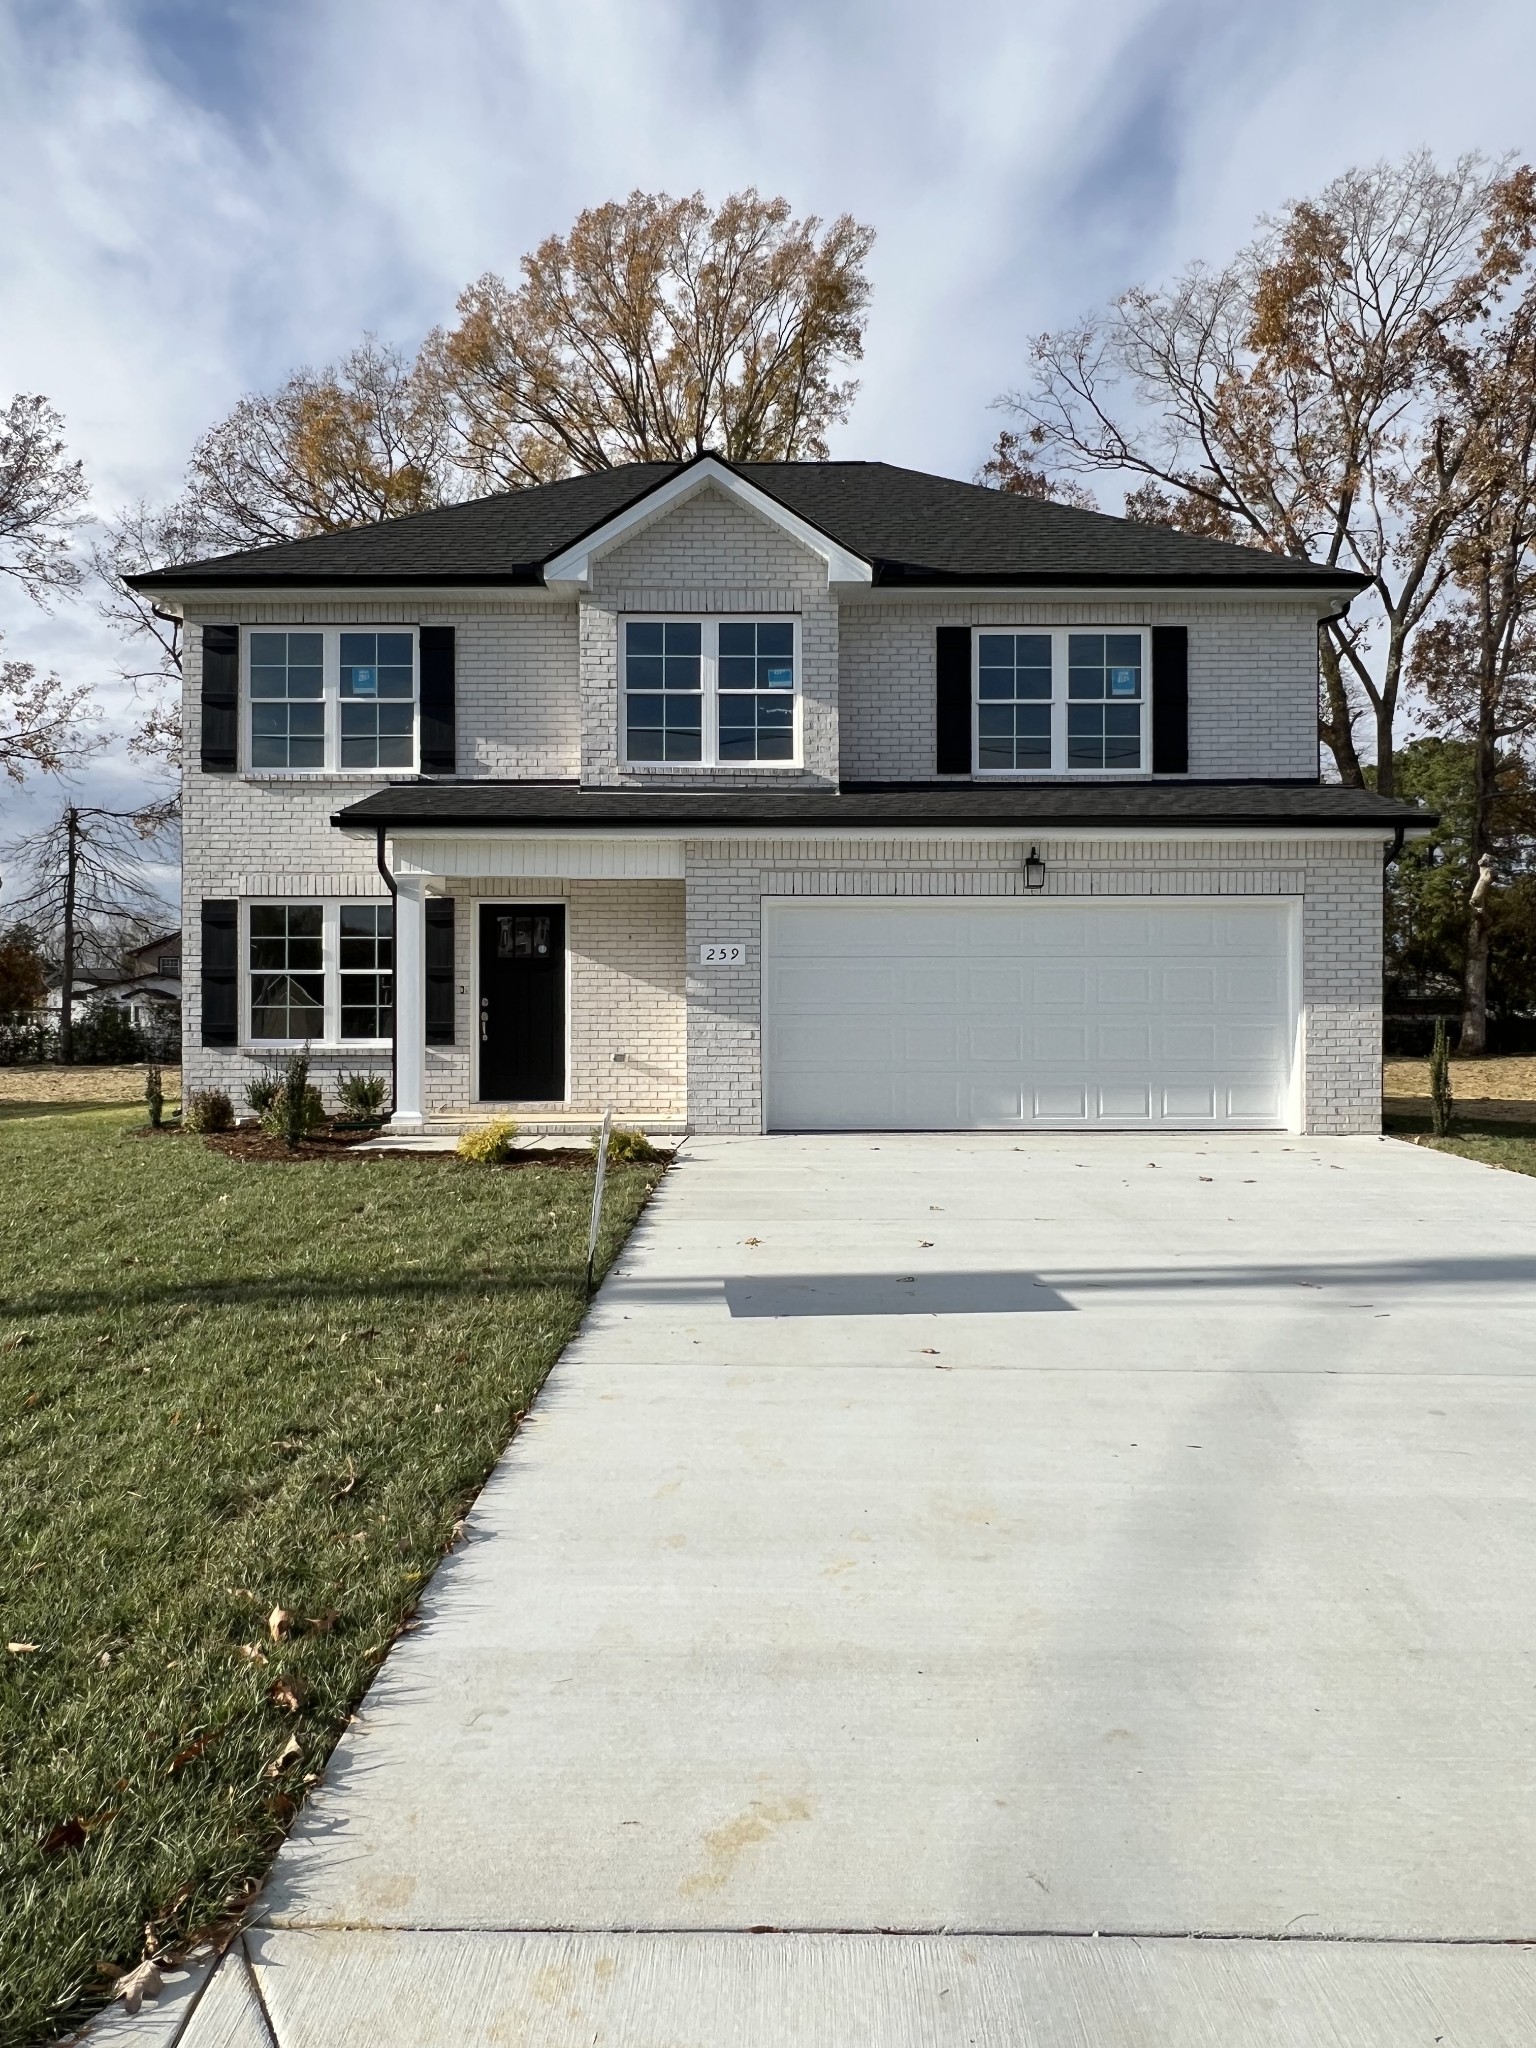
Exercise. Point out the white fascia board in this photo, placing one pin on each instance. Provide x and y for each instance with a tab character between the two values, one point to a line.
572	570
443	597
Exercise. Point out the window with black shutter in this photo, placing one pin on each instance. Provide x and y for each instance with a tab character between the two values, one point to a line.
1170	700
221	700
221	972
952	707
439	744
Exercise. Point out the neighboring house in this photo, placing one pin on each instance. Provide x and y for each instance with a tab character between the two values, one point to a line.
149	990
780	796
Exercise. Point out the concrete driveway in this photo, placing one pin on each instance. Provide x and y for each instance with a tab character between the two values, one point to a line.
974	1567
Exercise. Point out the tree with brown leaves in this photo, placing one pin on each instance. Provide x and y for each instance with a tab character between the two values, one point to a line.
655	329
359	441
1287	399
1476	660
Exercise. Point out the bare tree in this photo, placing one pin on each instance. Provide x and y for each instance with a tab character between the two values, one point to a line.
1286	398
655	329
41	495
90	887
145	536
40	721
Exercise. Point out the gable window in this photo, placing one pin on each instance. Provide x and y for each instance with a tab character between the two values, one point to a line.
710	692
664	685
1060	702
320	972
328	700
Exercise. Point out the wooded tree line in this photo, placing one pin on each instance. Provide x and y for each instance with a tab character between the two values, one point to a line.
1358	384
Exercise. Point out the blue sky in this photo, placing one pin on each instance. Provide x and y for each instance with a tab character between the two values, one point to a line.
203	194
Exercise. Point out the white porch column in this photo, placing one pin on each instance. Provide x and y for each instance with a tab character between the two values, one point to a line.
410	1004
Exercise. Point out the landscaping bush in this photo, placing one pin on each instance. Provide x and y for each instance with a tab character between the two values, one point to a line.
105	1035
27	1038
626	1147
278	1123
488	1144
363	1094
209	1109
261	1093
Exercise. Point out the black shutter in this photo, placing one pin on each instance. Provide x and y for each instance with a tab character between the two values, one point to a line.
439	968
1170	700
221	972
221	699
953	701
439	748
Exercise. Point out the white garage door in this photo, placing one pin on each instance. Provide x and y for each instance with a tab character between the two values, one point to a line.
985	1015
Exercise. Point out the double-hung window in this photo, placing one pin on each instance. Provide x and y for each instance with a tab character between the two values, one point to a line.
1058	701
331	699
710	692
322	972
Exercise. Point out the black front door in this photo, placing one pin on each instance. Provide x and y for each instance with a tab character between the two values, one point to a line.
522	1002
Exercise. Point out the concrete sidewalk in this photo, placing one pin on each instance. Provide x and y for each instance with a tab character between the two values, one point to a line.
947	1551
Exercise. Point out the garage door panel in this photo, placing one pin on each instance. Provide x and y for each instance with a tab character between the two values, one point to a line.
978	1015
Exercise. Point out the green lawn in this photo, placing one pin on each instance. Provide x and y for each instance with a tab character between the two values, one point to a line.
1510	1146
227	1389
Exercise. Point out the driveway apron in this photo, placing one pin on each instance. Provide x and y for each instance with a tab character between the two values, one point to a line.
945	1575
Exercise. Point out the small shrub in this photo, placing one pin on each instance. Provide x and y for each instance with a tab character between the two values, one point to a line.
276	1121
488	1144
1442	1107
363	1094
209	1109
626	1147
261	1093
154	1095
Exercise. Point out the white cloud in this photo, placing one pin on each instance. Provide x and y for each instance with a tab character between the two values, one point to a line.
201	194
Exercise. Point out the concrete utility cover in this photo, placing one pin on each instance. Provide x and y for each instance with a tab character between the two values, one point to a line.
830	1588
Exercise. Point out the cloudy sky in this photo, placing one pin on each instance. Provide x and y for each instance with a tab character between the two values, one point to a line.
201	195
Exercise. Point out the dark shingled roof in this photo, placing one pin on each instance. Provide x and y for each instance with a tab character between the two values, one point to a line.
1014	806
916	530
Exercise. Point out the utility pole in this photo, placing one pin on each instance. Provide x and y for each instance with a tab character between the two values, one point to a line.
67	969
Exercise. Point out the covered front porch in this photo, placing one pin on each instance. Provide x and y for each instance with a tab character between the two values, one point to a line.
537	978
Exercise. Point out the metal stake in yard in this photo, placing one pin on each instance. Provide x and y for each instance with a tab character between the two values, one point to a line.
597	1193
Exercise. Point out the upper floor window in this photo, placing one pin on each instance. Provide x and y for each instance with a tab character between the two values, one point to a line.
1061	702
710	692
331	699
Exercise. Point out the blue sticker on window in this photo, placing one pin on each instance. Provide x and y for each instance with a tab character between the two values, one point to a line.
1124	682
780	678
365	682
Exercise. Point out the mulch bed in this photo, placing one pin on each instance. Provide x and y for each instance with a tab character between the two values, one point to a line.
256	1147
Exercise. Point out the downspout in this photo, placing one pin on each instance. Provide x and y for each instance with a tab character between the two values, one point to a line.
394	1008
1395	848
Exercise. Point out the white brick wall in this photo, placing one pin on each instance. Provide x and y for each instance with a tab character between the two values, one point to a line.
1339	883
1252	678
706	555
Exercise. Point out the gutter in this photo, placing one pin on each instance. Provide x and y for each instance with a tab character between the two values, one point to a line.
394	941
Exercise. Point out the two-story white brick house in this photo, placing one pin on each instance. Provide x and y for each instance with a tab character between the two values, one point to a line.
775	797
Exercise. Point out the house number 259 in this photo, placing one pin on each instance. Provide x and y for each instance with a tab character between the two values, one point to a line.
732	955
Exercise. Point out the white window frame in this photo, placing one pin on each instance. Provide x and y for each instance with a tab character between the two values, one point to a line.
330	697
709	678
1059	637
330	909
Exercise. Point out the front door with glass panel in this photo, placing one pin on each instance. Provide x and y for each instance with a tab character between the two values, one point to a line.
522	1002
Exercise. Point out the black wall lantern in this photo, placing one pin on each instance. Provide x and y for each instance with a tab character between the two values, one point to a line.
1034	870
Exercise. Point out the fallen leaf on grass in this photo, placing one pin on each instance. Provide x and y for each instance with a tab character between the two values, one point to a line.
22	1649
15	1343
144	1982
192	1752
348	1483
355	1337
285	1760
287	1693
322	1624
254	1652
279	1624
69	1834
